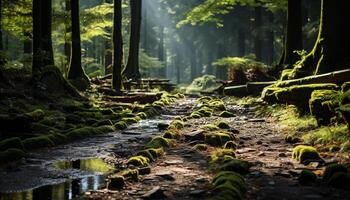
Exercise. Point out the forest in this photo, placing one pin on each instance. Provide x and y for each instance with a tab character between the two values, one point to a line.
174	99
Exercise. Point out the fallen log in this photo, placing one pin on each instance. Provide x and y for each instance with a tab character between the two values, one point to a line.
336	77
251	88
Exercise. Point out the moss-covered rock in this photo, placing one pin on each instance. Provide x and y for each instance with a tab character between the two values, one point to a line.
105	122
104	129
121	125
158	142
195	115
37	142
156	152
323	104
138	161
142	115
303	153
228	185
221	156
226	114
223	125
206	83
345	98
172	134
11	143
333	169
90	114
131	174
147	154
307	177
177	124
218	138
36	115
11	155
210	127
200	147
236	165
340	180
80	133
131	120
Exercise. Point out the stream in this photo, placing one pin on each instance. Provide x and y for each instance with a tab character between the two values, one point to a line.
66	171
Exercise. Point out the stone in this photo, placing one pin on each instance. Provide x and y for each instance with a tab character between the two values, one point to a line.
155	193
197	193
162	126
144	170
196	135
116	182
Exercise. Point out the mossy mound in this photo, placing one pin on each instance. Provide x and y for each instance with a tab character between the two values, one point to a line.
333	169
340	180
90	114
81	133
345	87
36	115
210	127
142	115
11	155
230	145
121	125
200	147
130	174
156	152
220	157
131	120
204	99
195	115
206	83
37	142
105	122
292	139
151	154
138	161
172	134
307	177
303	153
205	112
226	114
236	165
11	143
158	142
223	125
218	138
228	185
177	124
323	104
105	129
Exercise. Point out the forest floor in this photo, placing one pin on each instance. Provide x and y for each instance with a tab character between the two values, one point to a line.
182	172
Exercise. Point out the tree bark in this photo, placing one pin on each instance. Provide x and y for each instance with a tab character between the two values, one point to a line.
76	70
161	56
67	42
46	31
117	62
331	50
132	70
258	39
293	40
37	51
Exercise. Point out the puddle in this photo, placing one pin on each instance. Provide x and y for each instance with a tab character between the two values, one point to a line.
70	188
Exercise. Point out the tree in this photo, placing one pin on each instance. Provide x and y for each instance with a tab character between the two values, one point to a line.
293	38
117	62
68	27
76	70
332	47
1	47
132	68
42	40
257	37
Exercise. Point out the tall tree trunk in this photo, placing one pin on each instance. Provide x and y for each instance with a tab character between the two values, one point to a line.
271	40
1	45
258	39
294	36
108	48
132	70
161	53
37	51
117	46
331	50
46	31
76	70
241	42
68	27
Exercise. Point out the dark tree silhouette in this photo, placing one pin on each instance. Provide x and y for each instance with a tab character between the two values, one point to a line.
117	62
132	68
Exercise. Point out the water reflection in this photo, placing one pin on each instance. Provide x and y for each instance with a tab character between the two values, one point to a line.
70	188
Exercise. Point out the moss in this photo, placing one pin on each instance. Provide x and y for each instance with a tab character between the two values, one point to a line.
37	142
333	169
322	105
307	177
121	125
36	115
11	155
218	138
138	161
345	147
131	174
158	142
195	115
223	125
340	180
230	145
177	124
226	114
147	154
156	152
92	114
291	139
221	156
229	185
345	98
205	111
142	115
327	134
57	138
206	83
236	165
172	134
302	153
345	87
210	127
200	147
345	111
104	129
41	128
105	122
11	143
80	133
131	120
